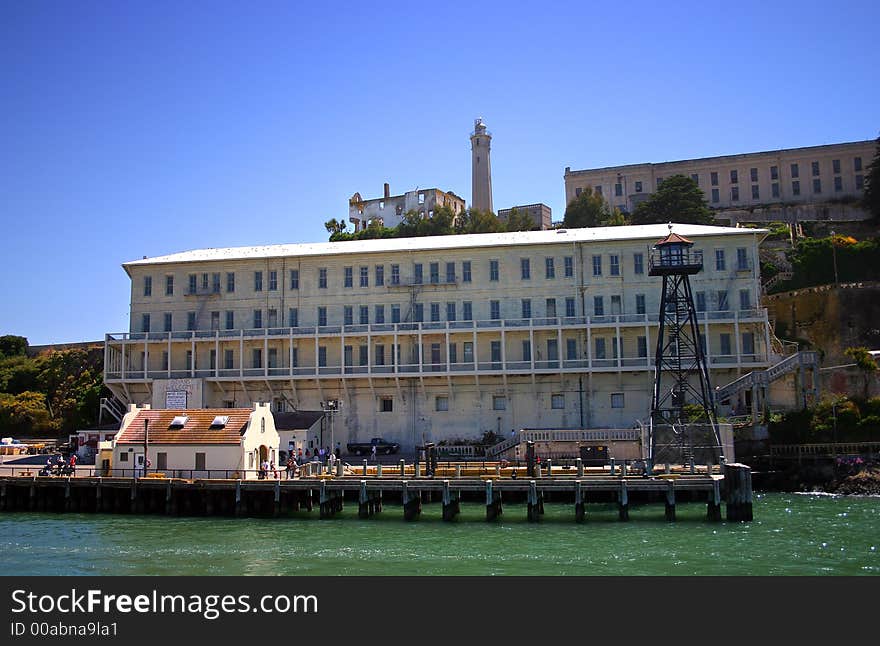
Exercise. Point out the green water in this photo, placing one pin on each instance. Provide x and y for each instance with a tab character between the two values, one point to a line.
792	535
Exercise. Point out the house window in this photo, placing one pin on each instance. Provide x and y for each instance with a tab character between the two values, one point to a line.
322	316
745	302
638	187
753	174
838	184
258	318
571	352
148	285
434	270
815	166
598	306
272	359
615	305
215	282
857	164
380	355
742	259
716	196
365	277
417	273
617	400
230	320
550	305
348	315
348	277
467	313
696	178
525	269
379	314
228	360
597	265
466	271
145	323
860	182
659	181
495	353
395	274
723	305
577	191
293	317
774	173
395	313
493	270
499	403
725	344
364	316
193	283
734	194
835	164
569	307
215	320
756	192
257	358
748	344
719	260
640	304
642	345
600	348
273	281
713	178
795	188
526	308
294	279
273	318
230	281
618	189
322	278
418	312
774	189
200	461
190	320
494	310
258	281
322	356
734	177
441	403
450	272
380	275
386	405
435	311
450	311
468	351
638	263
568	262
701	301
614	262
557	402
168	317
795	171
817	186
363	355
526	350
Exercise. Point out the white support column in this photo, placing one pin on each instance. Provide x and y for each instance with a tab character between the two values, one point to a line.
124	344
169	356
317	362
738	344
265	352
192	349
217	353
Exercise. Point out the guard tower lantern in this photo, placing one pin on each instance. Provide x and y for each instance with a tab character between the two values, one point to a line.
680	355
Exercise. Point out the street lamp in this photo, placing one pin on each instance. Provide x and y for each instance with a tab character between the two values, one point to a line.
331	407
834	256
146	437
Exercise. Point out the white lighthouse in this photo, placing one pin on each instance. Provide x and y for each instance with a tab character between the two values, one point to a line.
481	168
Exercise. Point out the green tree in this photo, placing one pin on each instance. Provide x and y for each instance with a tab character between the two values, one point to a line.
871	197
335	226
865	362
476	221
13	346
519	221
677	199
25	412
590	209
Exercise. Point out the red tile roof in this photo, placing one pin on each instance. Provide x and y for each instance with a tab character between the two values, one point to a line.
197	429
673	237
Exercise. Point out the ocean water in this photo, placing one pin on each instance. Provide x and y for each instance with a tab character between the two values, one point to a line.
792	534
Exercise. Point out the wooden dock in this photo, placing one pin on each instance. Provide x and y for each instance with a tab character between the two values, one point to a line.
730	484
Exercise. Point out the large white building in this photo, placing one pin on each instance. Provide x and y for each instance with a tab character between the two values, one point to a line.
432	338
810	183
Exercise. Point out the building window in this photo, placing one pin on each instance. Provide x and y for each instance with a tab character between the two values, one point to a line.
835	164
230	320
379	314
322	356
557	401
742	259
215	320
348	280
493	270
838	184
450	272
148	285
453	352
549	268
600	348
228	360
494	310
774	189
435	311
642	346
640	304
568	263
745	302
495	354
734	177
723	305
257	358
774	173
734	193
322	278
617	400
569	307
364	315
294	279
571	349
748	344
526	308
322	316
499	403
796	188
467	313
145	323
293	317
713	178
701	301
716	196
598	189
450	311
753	174
466	271
258	281
598	306
815	166
365	277
395	274
395	313
659	181
525	269
215	282
347	315
193	280
526	350
273	318
719	260
441	403
860	182
468	351
363	355
550	305
756	194
380	275
273	281
577	191
817	186
380	355
386	405
615	305
418	312
638	187
168	321
725	344
258	319
618	189
434	271
597	265
795	171
190	320
417	273
614	262
638	263
857	164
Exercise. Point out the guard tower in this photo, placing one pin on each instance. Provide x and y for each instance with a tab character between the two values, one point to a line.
679	355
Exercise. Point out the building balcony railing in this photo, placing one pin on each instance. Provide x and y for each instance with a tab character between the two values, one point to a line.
433	327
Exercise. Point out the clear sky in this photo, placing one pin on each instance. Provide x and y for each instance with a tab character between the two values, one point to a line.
146	128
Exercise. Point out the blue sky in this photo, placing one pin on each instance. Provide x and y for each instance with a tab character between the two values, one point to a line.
147	128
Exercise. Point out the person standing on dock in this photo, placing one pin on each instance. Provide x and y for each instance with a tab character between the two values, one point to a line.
373	453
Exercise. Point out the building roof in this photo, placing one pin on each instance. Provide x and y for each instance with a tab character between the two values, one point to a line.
297	420
435	243
197	430
673	237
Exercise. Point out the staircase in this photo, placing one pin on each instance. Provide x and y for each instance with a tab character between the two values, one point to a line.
804	358
497	449
110	408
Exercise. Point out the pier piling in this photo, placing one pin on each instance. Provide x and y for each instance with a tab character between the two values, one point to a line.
623	501
579	507
493	502
670	499
738	492
450	502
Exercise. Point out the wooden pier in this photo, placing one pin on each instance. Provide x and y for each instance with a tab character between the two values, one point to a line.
729	483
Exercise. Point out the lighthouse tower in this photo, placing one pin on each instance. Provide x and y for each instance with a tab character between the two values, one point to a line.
481	168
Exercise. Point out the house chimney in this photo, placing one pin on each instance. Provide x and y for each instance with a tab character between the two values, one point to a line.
387	191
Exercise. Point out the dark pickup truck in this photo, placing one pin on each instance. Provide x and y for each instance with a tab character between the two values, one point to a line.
363	448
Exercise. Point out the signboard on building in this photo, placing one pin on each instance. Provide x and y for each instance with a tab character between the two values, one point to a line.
175	399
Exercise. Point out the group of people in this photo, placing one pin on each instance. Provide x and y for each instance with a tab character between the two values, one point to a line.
326	457
59	466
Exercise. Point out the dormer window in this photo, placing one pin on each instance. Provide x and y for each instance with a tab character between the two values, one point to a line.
178	422
220	421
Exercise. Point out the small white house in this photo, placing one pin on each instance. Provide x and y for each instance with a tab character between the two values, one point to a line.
298	430
196	443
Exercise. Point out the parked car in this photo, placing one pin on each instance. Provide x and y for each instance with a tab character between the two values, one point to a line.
382	446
